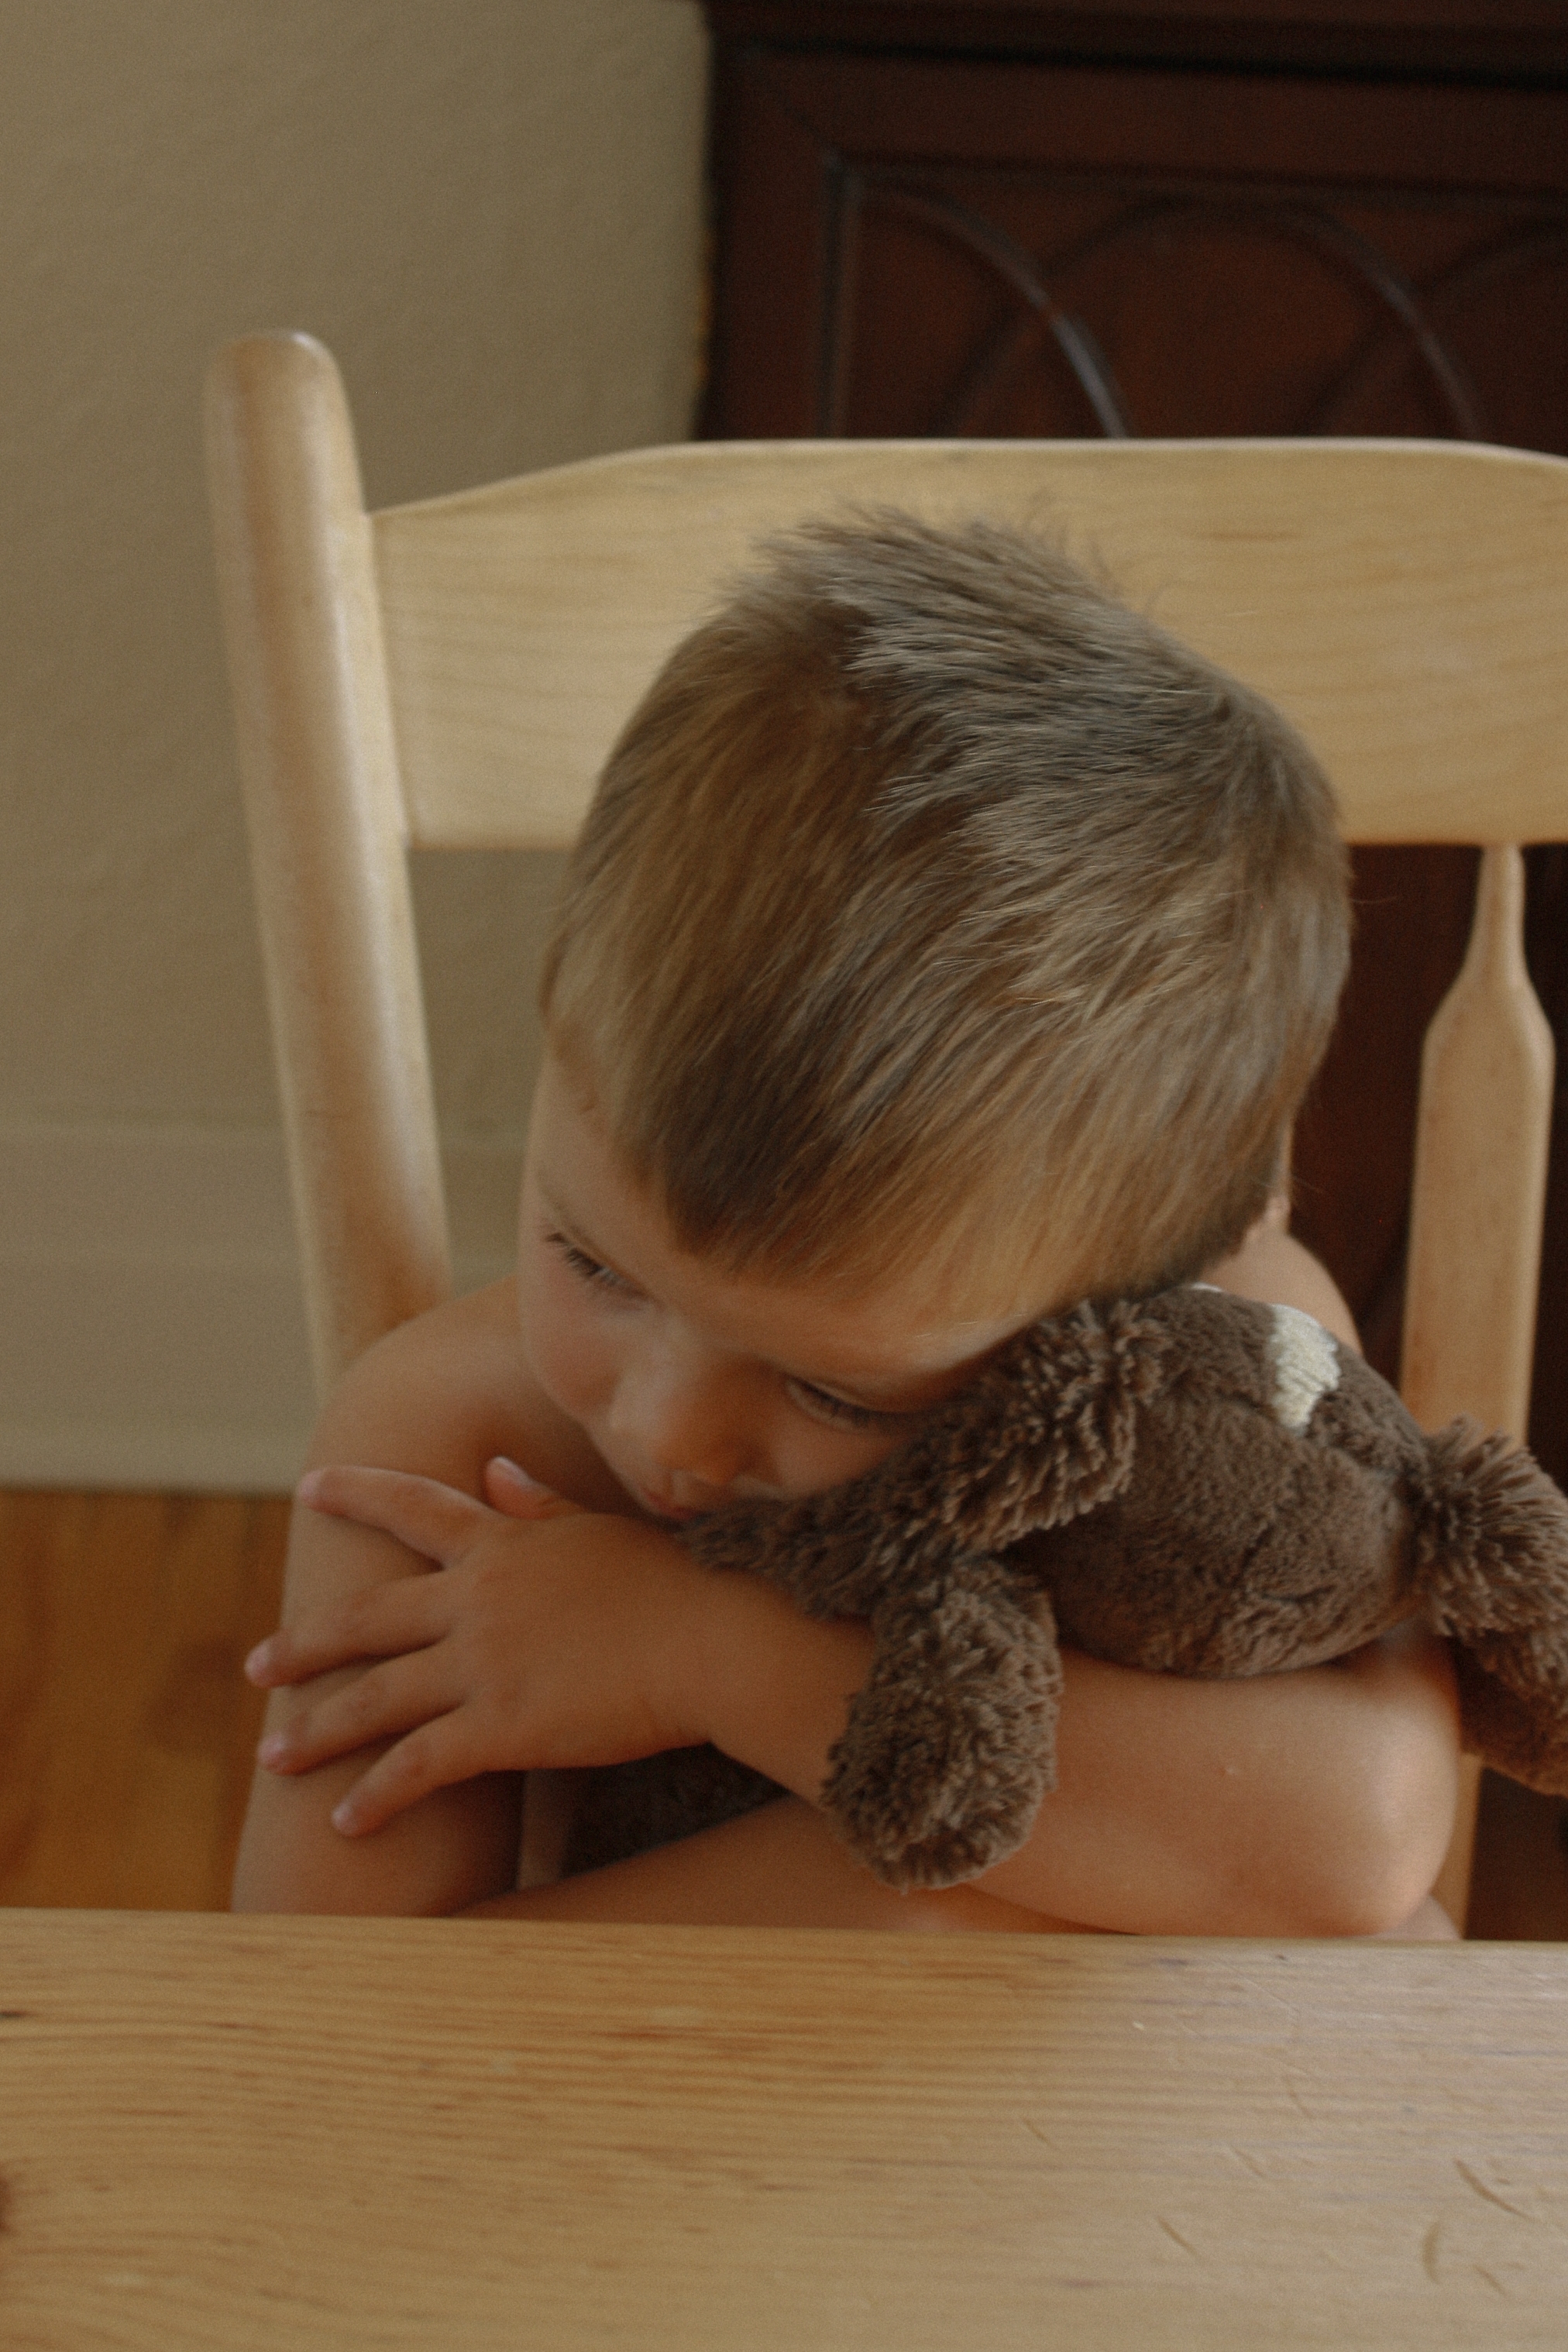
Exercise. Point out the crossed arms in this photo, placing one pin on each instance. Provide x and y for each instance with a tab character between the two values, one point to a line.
1311	1803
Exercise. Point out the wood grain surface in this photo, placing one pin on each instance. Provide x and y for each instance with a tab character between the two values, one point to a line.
127	1728
1402	602
354	2134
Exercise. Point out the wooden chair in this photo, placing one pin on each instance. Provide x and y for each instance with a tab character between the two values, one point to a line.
450	675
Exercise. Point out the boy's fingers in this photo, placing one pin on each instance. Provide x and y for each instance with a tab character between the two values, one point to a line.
428	1759
384	1621
439	1522
510	1488
383	1704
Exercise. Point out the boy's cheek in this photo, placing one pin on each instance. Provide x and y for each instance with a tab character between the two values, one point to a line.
784	1465
571	1364
568	1376
809	1461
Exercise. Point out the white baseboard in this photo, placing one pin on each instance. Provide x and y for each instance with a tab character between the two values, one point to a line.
151	1330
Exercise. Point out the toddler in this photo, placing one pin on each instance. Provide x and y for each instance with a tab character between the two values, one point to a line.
946	944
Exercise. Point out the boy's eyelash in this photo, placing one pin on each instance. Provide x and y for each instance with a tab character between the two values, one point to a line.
835	1408
591	1270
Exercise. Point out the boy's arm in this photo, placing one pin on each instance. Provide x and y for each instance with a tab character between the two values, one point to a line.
1311	1803
1317	1802
1306	1803
425	1398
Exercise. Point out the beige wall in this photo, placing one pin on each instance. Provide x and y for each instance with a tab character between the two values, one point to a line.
491	211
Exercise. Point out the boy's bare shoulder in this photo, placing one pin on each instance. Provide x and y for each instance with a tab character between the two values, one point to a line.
444	1392
1271	1266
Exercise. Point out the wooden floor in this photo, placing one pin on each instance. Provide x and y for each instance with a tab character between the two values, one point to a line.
127	1729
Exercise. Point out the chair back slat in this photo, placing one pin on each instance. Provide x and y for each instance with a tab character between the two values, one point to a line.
1479	1188
1479	1191
1406	603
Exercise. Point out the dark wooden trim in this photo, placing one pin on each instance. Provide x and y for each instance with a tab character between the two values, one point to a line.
1525	40
893	109
772	187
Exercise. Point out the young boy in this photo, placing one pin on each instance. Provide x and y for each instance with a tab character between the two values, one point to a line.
945	945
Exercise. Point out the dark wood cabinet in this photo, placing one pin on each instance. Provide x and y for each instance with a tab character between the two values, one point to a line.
1211	219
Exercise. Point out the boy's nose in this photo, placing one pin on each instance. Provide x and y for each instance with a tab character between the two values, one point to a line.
685	1421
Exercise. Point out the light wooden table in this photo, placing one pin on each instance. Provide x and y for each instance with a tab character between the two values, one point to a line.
299	2134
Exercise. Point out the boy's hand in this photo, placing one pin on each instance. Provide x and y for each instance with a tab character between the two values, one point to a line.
550	1643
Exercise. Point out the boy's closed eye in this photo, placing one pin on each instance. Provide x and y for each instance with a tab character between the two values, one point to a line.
591	1271
817	1403
841	1412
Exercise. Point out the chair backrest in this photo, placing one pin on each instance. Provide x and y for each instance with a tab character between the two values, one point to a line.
451	675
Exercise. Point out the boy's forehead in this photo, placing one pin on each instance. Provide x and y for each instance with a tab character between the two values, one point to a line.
881	1340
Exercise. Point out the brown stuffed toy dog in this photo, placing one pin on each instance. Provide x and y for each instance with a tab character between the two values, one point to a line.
1192	1484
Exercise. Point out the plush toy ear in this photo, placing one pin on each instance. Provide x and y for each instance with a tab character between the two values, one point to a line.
951	1744
1492	1567
1050	1432
1047	1434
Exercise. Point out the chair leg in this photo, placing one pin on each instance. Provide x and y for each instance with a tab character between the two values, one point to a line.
1453	1887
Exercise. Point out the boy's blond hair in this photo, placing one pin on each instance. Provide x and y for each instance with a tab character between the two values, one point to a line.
936	912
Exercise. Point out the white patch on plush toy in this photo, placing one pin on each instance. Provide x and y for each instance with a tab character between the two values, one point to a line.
1305	1366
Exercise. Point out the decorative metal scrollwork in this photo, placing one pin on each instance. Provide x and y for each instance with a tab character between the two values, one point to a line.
1403	313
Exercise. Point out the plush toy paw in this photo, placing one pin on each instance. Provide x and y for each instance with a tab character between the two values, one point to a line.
951	1743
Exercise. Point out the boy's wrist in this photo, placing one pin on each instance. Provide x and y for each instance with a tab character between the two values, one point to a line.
666	1626
770	1686
699	1661
722	1659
